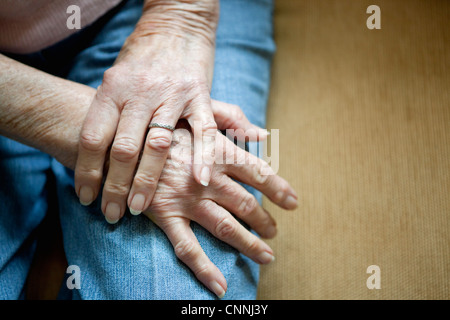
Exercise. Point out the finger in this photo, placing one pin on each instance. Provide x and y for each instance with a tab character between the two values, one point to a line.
96	136
152	162
189	251
233	197
257	173
204	128
225	227
124	156
231	117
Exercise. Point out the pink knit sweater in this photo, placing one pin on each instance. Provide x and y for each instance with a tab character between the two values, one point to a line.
30	25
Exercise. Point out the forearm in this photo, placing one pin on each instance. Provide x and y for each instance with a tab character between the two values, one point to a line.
41	110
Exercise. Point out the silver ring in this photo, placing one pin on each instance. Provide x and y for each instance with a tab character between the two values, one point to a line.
164	126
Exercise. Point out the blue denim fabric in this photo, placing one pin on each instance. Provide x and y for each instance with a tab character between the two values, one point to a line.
132	259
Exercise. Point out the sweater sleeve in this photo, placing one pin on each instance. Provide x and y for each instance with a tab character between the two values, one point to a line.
27	26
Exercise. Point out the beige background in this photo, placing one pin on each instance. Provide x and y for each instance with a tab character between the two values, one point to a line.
365	140
364	119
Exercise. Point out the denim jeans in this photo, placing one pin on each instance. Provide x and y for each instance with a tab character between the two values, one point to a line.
132	259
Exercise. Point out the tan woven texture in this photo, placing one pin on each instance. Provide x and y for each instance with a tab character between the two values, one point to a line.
364	119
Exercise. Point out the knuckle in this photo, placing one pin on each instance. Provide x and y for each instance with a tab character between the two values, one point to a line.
261	179
266	220
225	229
106	96
236	112
248	205
112	79
111	75
200	87
202	269
168	87
266	169
222	183
124	149
192	83
159	141
115	188
204	207
185	249
180	85
253	245
92	141
284	188
262	175
88	174
282	193
171	86
144	181
209	125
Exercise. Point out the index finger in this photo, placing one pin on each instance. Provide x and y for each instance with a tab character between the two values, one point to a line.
96	136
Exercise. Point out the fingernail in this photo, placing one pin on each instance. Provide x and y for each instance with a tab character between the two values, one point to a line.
265	257
217	289
265	134
86	195
137	204
205	175
112	212
262	133
290	202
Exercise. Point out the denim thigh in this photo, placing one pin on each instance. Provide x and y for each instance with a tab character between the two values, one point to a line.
134	259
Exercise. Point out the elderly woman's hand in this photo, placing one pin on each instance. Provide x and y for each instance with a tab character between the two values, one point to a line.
179	200
162	74
54	127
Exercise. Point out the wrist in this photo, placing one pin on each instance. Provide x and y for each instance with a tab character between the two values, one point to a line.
196	20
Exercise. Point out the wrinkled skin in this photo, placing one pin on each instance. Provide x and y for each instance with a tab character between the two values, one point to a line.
47	113
162	74
179	199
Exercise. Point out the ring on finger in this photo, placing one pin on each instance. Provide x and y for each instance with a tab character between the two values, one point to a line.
163	126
